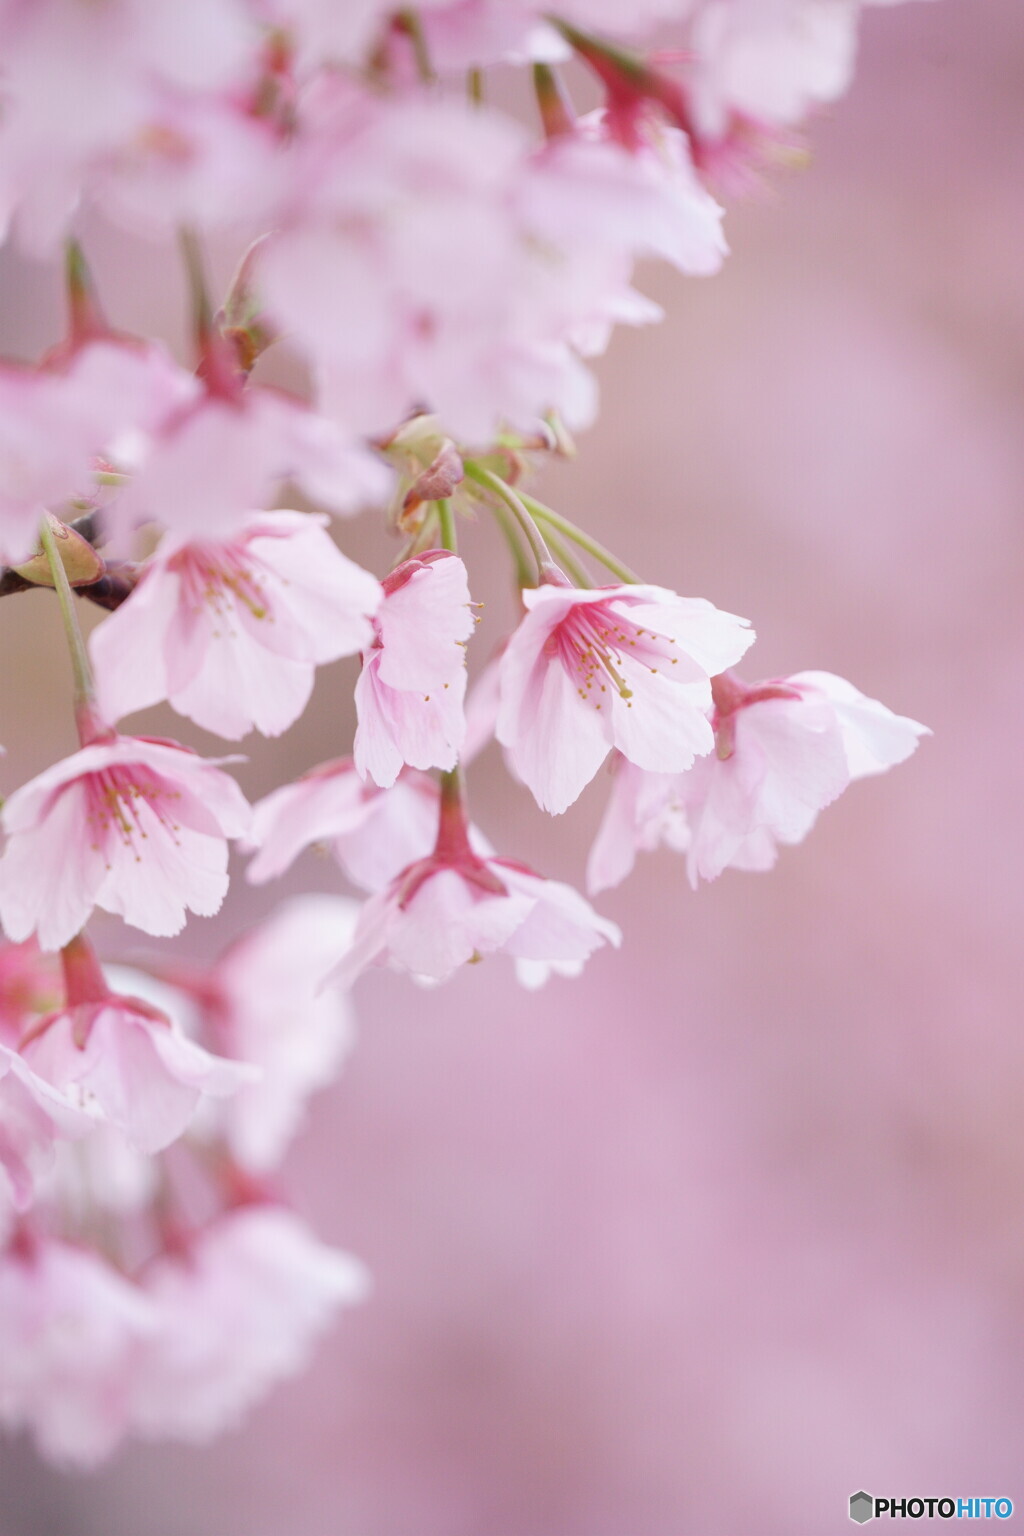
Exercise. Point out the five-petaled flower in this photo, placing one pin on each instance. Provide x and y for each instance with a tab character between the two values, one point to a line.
232	630
136	826
627	667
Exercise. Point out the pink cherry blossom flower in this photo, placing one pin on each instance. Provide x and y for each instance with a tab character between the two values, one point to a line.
238	1311
123	1061
784	750
440	915
223	455
231	631
460	904
135	826
34	1115
409	697
71	1336
263	1003
84	83
408	270
581	180
627	667
373	833
56	421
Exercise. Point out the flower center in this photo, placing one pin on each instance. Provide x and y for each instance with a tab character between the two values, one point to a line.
597	647
117	801
220	578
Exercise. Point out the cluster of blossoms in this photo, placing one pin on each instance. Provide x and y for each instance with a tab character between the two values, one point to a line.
443	276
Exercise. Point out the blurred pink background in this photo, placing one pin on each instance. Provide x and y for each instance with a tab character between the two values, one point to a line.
734	1226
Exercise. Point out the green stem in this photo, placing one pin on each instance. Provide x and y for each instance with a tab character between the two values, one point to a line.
553	103
475	87
494	483
446	522
525	574
85	692
567	560
569	530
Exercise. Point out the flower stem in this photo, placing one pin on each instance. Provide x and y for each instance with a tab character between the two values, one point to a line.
553	103
475	87
490	481
199	295
84	981
569	530
525	576
85	691
85	315
446	521
567	560
452	828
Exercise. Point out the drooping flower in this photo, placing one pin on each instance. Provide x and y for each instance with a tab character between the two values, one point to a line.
409	697
136	826
440	914
373	833
784	749
228	451
123	1061
408	272
459	904
627	667
71	1336
238	1310
231	631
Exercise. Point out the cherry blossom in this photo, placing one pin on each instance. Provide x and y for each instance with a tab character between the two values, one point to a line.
439	915
135	826
627	667
459	904
231	632
239	1310
433	274
409	697
123	1061
56	421
227	451
409	270
373	833
784	749
84	83
71	1336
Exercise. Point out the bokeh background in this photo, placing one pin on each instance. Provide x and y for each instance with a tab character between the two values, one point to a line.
734	1226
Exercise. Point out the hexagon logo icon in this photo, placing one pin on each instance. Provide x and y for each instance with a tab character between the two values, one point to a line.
862	1507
